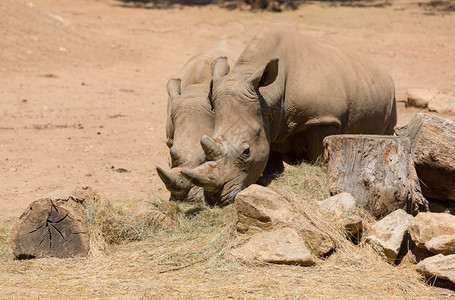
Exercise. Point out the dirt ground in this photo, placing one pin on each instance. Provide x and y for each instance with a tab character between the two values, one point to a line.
82	89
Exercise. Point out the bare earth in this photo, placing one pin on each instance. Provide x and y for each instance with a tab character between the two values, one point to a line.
82	90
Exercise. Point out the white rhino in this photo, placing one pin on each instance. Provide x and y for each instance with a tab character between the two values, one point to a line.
286	92
190	116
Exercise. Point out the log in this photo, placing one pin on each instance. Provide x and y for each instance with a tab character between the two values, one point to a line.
54	226
376	170
433	147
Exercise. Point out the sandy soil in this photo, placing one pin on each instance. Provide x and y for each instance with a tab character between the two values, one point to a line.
82	90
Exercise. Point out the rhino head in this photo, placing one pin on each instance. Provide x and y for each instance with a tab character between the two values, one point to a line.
190	116
237	153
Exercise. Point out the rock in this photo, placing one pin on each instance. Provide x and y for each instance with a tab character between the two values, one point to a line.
149	211
434	232
411	253
261	209
343	207
419	97
54	226
282	246
387	235
440	266
433	149
442	103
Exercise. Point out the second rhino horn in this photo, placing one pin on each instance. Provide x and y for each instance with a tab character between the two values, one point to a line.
177	157
212	149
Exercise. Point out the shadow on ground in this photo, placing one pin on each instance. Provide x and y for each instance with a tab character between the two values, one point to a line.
437	6
432	7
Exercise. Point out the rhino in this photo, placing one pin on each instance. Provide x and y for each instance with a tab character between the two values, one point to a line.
189	116
286	92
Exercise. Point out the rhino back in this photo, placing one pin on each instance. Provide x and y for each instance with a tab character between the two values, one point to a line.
197	69
319	81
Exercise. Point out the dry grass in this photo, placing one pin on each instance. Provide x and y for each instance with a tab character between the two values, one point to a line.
136	259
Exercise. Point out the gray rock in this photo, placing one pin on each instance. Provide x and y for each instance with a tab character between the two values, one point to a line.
387	235
261	209
440	266
434	232
442	103
419	97
343	208
281	246
433	149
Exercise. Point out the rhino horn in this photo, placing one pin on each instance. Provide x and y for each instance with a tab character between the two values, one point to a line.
177	157
172	180
211	148
204	176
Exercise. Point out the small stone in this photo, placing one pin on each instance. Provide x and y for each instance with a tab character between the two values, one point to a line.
419	97
439	266
387	235
434	232
343	207
282	246
150	211
442	103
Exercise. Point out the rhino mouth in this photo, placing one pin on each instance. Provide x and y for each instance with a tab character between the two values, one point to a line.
225	196
194	194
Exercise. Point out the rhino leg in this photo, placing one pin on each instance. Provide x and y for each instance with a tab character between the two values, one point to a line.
272	170
314	137
274	164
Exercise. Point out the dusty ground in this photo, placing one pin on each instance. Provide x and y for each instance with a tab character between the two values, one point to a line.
82	90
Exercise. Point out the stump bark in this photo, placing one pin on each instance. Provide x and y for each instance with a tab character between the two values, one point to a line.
376	170
54	226
433	147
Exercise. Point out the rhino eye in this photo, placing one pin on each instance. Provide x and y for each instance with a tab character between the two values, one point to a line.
246	152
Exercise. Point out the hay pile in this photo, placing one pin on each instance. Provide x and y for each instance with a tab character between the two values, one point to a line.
138	259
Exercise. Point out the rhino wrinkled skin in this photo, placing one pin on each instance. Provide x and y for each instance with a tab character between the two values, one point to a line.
190	116
286	92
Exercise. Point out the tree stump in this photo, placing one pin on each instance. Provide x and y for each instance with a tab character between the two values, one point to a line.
54	226
433	147
376	170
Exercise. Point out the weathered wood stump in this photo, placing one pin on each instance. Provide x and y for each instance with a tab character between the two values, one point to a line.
54	226
433	148
376	170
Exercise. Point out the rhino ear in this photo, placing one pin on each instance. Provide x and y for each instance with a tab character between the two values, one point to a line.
220	68
173	87
265	75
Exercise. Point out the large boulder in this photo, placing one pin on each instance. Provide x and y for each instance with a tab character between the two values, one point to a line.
261	209
388	235
344	211
433	150
434	232
442	103
281	246
438	266
419	97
